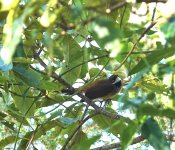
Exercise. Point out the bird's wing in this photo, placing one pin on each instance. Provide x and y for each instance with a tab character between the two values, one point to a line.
99	89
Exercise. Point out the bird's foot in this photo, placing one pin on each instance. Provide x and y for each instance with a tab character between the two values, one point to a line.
107	102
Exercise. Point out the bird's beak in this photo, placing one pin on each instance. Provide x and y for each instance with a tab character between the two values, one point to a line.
117	80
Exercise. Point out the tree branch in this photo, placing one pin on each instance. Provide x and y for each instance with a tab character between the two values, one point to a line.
134	141
151	1
79	130
117	145
87	100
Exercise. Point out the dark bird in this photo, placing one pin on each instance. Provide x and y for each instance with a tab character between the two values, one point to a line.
104	89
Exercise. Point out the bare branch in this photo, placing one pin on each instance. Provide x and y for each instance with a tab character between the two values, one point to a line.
135	141
117	145
151	1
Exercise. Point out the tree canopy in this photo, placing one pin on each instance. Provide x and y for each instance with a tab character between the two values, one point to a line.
48	46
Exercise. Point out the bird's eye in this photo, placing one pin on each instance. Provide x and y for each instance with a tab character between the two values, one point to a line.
113	78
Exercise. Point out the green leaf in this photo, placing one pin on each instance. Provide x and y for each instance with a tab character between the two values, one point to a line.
73	55
154	87
130	85
152	132
19	52
29	76
168	27
152	83
84	69
14	113
127	134
23	98
68	121
7	140
107	34
50	86
151	110
86	143
152	59
93	72
39	132
23	60
124	14
3	79
13	30
109	124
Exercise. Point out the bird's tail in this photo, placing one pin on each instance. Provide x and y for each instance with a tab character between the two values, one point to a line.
69	91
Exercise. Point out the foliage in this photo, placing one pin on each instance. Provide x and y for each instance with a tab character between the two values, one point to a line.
48	46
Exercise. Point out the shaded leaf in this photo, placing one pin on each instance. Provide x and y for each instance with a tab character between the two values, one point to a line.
7	140
127	134
41	130
32	78
18	117
124	14
148	109
73	55
24	101
109	124
50	86
152	132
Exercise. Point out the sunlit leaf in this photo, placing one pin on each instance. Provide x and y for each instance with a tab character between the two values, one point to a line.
152	59
5	67
13	31
107	34
85	143
168	28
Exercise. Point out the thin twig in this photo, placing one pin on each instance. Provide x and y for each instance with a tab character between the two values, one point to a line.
82	64
32	137
17	135
135	141
135	44
62	105
154	12
122	17
79	130
75	131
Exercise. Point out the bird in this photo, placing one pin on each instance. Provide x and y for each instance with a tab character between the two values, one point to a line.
101	89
